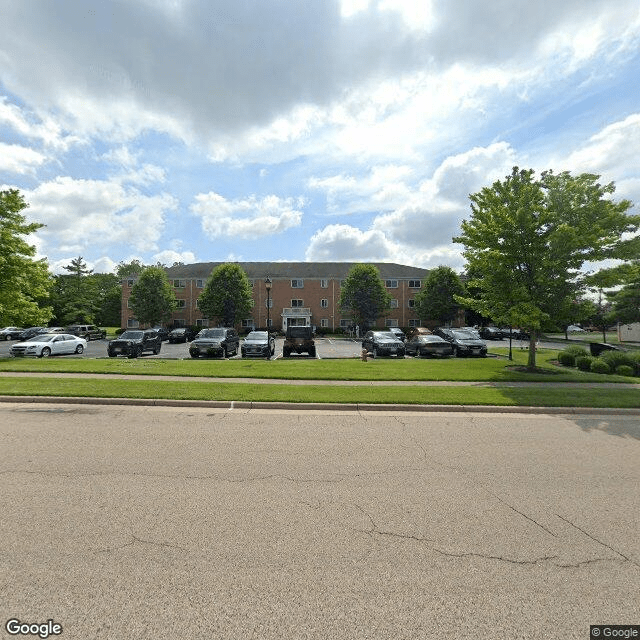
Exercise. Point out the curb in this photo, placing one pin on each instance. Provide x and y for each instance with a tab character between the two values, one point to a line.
319	406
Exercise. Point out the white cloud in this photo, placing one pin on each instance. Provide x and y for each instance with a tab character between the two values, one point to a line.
79	214
169	257
247	218
17	159
343	243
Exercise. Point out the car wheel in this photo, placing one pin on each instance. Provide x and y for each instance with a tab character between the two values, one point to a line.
312	353
45	353
224	352
456	353
111	355
79	349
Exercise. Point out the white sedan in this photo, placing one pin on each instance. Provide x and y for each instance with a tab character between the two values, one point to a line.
49	344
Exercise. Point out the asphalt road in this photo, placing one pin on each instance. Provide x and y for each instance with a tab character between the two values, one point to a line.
153	522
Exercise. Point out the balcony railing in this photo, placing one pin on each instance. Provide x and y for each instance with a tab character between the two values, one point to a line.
296	311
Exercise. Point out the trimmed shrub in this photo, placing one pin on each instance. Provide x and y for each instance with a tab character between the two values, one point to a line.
616	358
598	365
568	356
624	370
584	363
635	357
567	359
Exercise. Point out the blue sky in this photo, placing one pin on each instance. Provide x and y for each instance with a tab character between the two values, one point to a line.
333	130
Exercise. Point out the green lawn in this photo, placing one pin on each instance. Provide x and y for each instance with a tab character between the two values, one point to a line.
461	369
195	390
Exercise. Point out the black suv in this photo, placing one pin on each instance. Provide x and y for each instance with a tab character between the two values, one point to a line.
222	341
87	331
134	342
464	343
383	343
300	340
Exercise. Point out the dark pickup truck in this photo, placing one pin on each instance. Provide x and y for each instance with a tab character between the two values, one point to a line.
299	340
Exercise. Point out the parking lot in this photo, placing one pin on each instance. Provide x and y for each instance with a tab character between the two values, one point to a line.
325	347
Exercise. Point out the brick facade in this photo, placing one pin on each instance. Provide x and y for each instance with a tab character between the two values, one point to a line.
301	293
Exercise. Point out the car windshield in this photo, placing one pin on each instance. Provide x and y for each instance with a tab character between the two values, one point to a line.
212	333
464	335
257	335
429	339
131	335
385	335
178	331
41	338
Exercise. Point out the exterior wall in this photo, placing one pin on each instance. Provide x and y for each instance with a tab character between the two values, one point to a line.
629	332
282	294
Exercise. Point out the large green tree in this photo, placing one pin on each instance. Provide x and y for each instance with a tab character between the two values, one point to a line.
528	239
363	295
109	293
25	283
437	298
152	299
227	295
75	294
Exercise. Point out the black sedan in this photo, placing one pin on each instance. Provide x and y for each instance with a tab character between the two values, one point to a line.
259	344
463	342
429	345
383	343
491	333
181	334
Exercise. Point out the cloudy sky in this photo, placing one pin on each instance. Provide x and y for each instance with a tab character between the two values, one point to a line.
320	130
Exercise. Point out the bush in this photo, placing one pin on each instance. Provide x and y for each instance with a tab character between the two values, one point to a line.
584	363
616	358
568	356
598	365
635	358
624	370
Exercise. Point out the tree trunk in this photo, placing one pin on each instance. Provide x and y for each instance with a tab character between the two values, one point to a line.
531	364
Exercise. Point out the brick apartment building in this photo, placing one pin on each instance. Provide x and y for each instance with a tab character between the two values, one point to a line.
302	293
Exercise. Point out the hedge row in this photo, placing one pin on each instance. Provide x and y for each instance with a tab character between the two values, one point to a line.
621	362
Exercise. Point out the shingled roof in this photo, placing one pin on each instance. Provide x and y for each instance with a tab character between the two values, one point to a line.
338	270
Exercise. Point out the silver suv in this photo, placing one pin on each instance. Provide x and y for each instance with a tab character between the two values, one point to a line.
87	331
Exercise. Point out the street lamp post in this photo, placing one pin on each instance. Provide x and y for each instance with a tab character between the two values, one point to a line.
267	284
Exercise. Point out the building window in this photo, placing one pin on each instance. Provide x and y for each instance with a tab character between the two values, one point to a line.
269	303
179	284
200	284
391	284
413	322
411	303
324	283
324	322
345	323
179	322
297	284
324	303
202	322
270	322
414	284
248	323
128	304
181	304
391	322
132	323
297	303
394	303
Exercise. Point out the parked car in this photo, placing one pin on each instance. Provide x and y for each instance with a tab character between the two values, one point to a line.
299	340
87	331
398	333
428	345
574	328
383	343
258	343
463	342
515	334
222	341
162	332
491	333
44	345
135	342
30	332
10	333
181	334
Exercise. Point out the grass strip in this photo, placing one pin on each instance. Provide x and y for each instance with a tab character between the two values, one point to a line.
101	388
495	369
